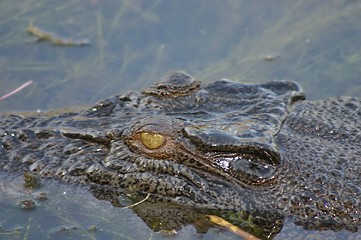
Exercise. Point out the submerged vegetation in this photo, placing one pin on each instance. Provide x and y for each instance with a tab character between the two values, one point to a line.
134	43
43	36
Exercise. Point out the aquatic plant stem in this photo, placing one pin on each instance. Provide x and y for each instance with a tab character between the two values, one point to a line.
16	90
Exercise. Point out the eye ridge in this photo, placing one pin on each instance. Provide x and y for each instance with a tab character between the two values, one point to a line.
152	140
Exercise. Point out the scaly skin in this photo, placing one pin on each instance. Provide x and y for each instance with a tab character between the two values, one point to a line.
227	146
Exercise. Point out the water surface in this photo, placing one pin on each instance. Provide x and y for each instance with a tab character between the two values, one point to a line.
132	45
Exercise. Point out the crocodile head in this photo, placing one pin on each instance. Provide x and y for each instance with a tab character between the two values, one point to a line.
223	146
210	145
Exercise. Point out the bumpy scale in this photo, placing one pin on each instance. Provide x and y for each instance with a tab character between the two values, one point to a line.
224	146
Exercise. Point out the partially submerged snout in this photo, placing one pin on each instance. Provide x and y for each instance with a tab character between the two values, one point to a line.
251	160
225	128
246	160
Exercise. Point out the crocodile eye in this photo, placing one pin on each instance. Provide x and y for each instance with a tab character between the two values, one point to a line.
152	140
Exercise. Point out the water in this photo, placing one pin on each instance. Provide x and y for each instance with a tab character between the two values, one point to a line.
134	43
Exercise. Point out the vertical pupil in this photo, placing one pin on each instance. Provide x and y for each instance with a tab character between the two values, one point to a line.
152	140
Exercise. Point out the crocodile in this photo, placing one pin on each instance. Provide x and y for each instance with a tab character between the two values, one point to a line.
223	146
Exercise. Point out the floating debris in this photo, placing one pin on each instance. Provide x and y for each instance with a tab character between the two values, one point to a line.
42	196
30	180
168	233
67	228
271	57
45	36
220	221
92	228
27	204
16	90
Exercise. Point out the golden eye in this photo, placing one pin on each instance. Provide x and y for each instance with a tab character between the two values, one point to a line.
152	140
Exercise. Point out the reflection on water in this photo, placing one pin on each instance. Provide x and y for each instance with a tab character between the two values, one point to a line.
133	43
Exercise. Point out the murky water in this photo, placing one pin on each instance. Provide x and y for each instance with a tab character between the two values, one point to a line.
134	43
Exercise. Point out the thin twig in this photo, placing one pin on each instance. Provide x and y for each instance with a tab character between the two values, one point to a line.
137	203
45	36
16	90
236	230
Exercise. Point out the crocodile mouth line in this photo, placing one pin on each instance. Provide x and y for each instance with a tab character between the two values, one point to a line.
216	169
